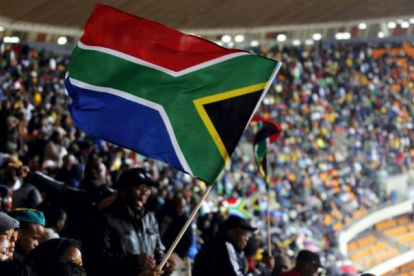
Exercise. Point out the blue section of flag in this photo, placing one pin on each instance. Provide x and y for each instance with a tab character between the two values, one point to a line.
123	122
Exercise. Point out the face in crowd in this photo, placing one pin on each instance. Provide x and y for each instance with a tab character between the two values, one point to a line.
30	235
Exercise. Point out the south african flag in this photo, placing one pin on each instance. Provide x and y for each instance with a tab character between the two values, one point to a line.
167	95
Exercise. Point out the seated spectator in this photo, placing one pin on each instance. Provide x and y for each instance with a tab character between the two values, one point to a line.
32	224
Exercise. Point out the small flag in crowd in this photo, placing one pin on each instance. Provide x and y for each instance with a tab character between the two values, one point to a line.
167	95
237	207
267	134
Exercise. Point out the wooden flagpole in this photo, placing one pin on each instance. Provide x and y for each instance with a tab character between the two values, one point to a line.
185	227
269	238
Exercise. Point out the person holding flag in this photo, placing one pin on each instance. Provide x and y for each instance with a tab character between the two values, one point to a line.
125	237
167	95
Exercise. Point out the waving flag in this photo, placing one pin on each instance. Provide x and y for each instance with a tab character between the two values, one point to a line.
170	96
268	134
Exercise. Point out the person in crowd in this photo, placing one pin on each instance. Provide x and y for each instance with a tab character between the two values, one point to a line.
172	222
71	172
224	255
125	237
55	221
63	268
282	264
55	250
15	268
80	204
32	224
4	193
8	227
307	264
21	195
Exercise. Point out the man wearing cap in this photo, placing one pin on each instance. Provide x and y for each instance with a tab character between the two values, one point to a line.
224	254
32	224
125	239
8	226
307	264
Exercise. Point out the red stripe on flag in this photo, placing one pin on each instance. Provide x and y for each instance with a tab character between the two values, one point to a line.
153	42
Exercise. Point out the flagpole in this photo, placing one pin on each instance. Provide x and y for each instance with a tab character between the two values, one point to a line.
269	239
185	227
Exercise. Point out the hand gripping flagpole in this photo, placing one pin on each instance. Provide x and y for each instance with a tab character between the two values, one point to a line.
185	227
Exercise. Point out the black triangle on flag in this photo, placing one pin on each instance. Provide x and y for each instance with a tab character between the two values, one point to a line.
230	117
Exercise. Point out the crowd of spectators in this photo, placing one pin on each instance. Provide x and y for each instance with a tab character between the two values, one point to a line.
347	123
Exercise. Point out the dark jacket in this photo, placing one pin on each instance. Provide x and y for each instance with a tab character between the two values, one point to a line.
80	205
220	257
118	238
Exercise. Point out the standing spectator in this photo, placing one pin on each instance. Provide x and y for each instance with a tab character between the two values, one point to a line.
307	264
172	223
80	205
32	224
224	255
125	237
282	264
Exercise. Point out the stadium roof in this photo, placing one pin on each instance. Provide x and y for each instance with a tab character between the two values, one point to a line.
193	15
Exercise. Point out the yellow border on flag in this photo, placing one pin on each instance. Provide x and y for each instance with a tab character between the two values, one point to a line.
199	104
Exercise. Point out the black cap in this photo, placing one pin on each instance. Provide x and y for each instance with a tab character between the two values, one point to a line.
306	256
238	222
7	223
135	177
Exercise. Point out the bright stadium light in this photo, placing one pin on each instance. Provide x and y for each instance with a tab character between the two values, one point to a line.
392	25
296	42
341	36
362	26
381	34
317	36
281	37
309	42
1	28
11	39
405	24
62	40
239	38
254	43
226	38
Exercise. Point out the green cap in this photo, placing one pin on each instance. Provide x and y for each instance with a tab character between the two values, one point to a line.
28	215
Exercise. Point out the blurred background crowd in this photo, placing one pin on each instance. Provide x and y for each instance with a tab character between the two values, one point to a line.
347	121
